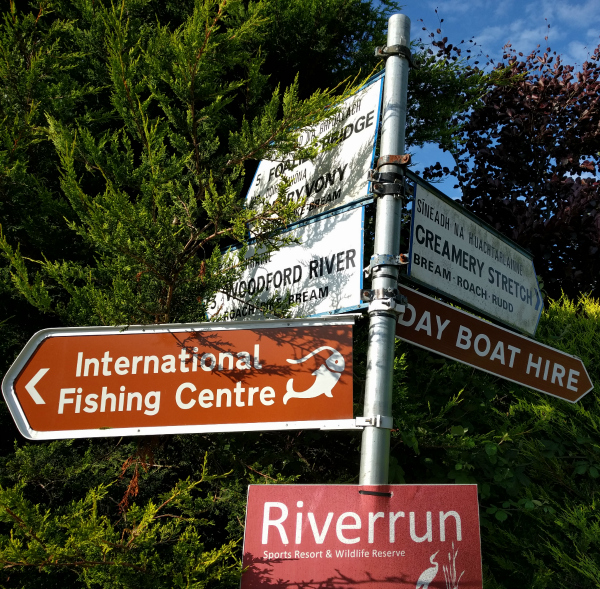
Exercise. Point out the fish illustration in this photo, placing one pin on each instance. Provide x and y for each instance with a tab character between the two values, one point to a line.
326	375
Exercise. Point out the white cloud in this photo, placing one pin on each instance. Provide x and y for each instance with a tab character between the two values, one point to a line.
526	38
574	24
525	34
491	36
567	14
452	8
519	33
504	9
578	52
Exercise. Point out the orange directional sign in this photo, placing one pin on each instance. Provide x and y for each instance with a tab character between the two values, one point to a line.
208	377
455	334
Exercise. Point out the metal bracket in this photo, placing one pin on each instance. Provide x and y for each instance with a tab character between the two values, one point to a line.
393	160
386	306
396	189
398	50
384	300
375	176
381	421
380	293
384	260
389	182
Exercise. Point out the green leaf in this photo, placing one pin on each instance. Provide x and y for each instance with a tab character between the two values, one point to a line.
491	449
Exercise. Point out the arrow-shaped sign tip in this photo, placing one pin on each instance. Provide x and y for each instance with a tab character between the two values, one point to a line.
30	386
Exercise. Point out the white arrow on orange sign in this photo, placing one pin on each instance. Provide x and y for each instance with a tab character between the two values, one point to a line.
30	386
194	378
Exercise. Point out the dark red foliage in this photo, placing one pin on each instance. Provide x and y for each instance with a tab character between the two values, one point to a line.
527	162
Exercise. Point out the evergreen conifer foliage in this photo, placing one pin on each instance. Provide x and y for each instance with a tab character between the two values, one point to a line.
38	73
157	545
129	134
156	192
126	135
155	128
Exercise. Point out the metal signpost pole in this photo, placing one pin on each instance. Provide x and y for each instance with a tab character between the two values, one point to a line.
383	310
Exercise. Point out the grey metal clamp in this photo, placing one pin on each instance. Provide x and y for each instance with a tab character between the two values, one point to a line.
386	300
395	189
387	306
383	260
399	50
381	421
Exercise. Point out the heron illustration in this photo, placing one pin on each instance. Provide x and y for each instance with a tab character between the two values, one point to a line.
428	574
326	375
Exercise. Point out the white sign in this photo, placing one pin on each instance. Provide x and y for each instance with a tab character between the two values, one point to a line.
338	176
456	254
321	274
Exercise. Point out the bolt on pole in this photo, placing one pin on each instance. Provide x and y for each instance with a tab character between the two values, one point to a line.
375	448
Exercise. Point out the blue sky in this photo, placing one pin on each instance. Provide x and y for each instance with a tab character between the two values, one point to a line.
574	33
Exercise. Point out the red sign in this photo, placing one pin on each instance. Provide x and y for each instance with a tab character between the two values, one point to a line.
455	334
91	382
400	536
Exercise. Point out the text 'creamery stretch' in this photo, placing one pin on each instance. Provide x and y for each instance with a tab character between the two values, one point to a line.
461	257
